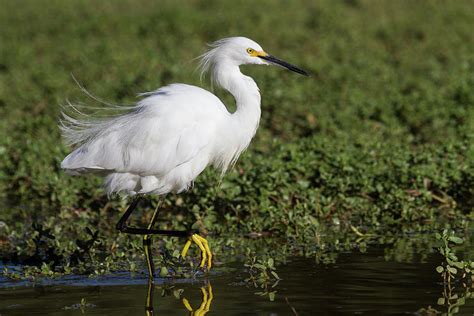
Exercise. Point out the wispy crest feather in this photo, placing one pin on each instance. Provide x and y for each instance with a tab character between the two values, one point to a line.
208	60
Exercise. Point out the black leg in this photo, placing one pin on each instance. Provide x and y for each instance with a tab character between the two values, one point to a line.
147	233
122	225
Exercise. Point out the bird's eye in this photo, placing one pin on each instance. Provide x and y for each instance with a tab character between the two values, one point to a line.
250	51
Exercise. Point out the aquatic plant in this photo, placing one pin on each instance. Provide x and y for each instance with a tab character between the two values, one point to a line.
262	274
82	306
454	272
453	269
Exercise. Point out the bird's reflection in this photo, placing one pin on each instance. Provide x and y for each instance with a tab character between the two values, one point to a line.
204	307
149	298
206	302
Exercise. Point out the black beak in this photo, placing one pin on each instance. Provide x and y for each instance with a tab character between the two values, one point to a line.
284	64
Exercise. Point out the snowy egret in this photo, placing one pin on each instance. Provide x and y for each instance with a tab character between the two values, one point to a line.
161	144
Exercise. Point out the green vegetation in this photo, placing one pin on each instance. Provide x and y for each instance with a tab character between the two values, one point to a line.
376	144
453	270
262	274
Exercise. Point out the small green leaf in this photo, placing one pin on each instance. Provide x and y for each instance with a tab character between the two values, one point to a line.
441	301
270	262
163	272
450	262
455	240
259	266
271	296
439	269
177	293
459	265
452	256
452	270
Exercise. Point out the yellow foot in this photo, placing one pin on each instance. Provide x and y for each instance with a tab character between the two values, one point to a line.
203	246
207	297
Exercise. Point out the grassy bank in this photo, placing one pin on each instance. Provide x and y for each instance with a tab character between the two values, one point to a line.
378	140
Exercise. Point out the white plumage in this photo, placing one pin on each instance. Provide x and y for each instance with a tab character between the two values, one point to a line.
167	139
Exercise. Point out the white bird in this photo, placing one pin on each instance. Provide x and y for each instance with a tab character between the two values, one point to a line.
167	139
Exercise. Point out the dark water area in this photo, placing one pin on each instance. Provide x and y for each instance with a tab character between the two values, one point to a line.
358	284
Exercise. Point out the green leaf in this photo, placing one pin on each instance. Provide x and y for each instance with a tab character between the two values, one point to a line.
441	301
270	262
459	265
450	262
452	256
177	293
259	266
163	272
439	269
455	240
271	296
452	270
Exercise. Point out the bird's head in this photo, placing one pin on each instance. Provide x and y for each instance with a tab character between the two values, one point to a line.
240	51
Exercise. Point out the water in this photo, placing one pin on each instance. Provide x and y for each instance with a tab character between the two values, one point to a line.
358	284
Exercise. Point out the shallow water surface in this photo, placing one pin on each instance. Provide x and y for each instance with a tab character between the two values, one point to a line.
359	283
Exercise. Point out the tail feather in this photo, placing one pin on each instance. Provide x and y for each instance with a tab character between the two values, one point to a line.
78	127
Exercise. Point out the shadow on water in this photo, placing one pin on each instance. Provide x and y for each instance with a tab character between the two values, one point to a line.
358	284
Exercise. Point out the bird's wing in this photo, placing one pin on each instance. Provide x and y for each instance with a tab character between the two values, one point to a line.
166	129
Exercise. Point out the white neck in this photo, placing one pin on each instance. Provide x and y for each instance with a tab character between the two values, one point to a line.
243	123
246	95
